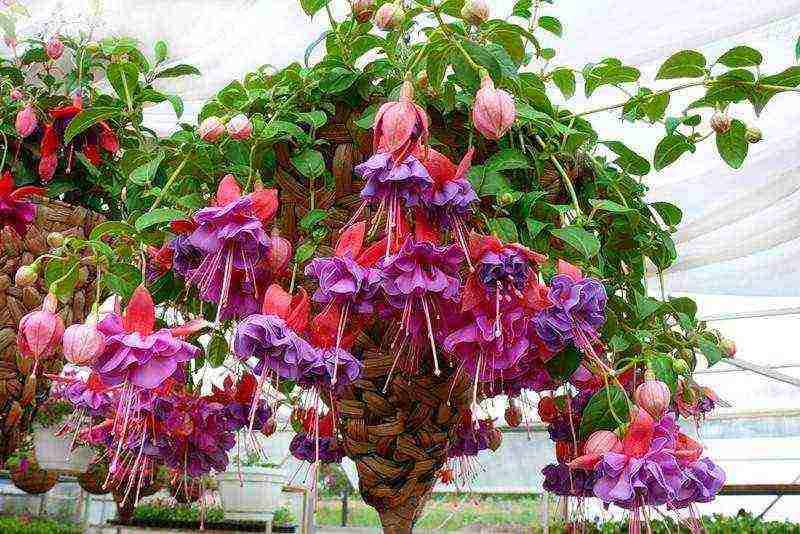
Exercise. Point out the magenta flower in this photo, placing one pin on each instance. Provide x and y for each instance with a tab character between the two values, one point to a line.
305	448
134	352
273	343
577	313
407	180
16	211
344	282
702	481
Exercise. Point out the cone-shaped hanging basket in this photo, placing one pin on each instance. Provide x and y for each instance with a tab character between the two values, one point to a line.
19	390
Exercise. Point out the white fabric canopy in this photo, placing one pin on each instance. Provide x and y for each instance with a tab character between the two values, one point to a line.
740	228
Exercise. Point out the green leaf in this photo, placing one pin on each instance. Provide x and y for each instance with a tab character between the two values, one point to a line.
64	286
645	306
522	8
487	182
609	73
112	228
787	78
504	228
669	149
304	252
312	218
364	43
144	174
684	64
628	160
797	49
124	78
122	279
563	365
337	79
603	204
670	213
565	81
312	6
309	162
160	49
178	71
507	36
158	216
732	144
710	350
662	368
579	239
177	104
507	159
217	350
551	24
604	409
315	118
85	119
534	227
655	106
367	118
741	56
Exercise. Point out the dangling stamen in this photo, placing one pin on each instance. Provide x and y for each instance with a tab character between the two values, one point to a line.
497	329
436	370
357	214
394	364
226	285
339	334
474	407
256	395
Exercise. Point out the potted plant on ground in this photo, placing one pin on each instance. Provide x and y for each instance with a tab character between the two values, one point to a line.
283	520
55	446
27	475
250	486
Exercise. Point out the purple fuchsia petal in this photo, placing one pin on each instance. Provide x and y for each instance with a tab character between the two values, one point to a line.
577	313
408	180
268	339
17	214
422	268
342	280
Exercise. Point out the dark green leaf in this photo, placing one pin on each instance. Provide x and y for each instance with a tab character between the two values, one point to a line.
684	64
628	160
124	78
607	409
551	24
741	56
312	6
565	81
609	74
312	218
144	174
217	350
505	229
670	214
534	227
563	365
122	279
85	119
304	252
710	350
669	149
646	306
732	144
581	240
177	71
487	182
662	368
158	216
309	162
112	228
64	286
507	159
160	49
337	80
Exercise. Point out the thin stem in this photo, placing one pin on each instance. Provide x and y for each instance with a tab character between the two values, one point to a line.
564	175
456	42
169	183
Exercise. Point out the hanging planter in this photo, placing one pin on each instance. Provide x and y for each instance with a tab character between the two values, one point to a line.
246	495
31	478
94	479
55	452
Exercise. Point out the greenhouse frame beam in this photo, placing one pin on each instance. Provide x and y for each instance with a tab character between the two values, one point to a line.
776	312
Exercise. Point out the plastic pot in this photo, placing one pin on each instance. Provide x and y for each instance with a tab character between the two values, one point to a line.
250	495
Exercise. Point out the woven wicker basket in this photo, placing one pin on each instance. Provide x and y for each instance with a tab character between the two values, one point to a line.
93	480
19	390
34	480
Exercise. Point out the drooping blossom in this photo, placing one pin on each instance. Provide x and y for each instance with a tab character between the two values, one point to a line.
39	333
137	354
419	280
238	400
83	343
16	211
316	441
232	239
400	126
239	127
577	313
89	394
54	48
561	480
494	111
26	121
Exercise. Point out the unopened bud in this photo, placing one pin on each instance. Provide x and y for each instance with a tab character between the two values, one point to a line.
720	122
680	366
753	135
55	239
389	16
26	276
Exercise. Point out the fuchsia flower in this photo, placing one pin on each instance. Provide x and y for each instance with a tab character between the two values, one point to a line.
233	247
26	121
239	127
83	343
40	332
89	394
494	111
135	353
54	48
211	129
16	211
400	126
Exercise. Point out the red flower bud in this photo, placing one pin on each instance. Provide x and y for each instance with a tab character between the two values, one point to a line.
239	127
513	415
16	94
547	409
476	12
47	167
280	253
362	9
601	442
108	139
389	16
54	48
400	125
494	111
26	121
40	331
211	129
83	344
26	276
652	396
